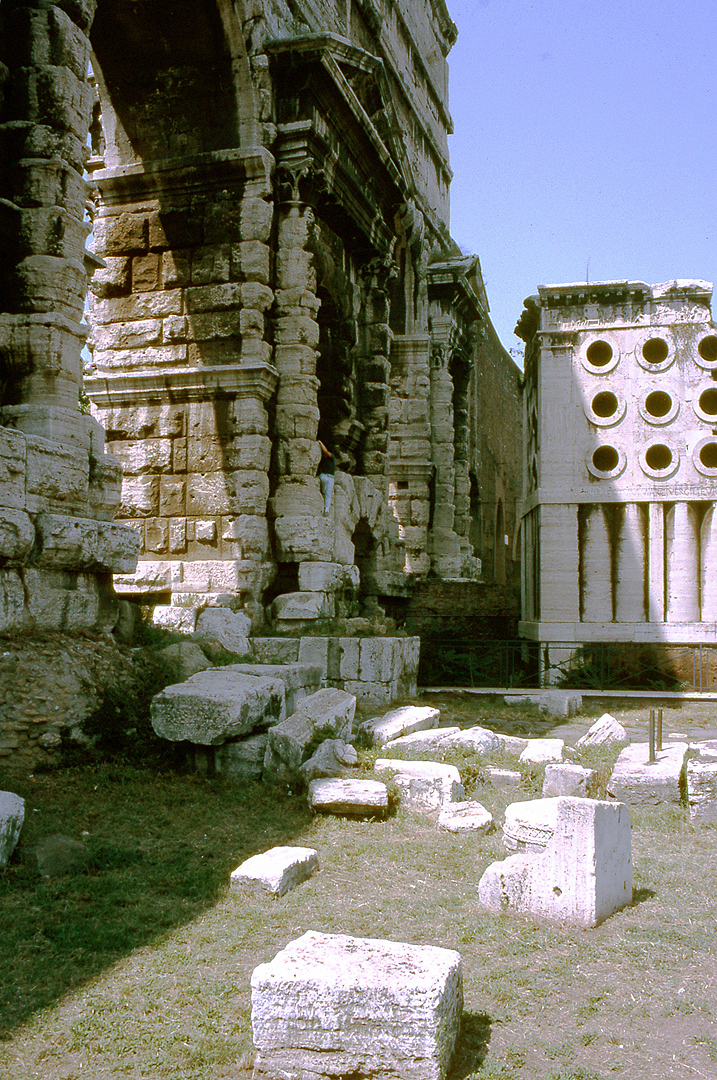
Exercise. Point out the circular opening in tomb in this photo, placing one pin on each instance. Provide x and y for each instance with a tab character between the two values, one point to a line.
605	459
605	404
655	350
658	403
707	348
658	457
708	455
599	353
708	401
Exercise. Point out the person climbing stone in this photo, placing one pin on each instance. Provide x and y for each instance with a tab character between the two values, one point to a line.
326	473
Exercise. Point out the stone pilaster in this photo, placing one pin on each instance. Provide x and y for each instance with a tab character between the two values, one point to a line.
374	370
410	470
445	546
301	532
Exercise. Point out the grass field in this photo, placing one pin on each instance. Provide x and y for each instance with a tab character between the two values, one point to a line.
139	966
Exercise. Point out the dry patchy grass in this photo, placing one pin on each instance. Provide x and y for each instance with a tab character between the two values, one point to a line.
139	967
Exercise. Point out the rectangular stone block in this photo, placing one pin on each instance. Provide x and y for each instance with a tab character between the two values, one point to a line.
216	705
140	496
335	1006
581	878
12	468
54	473
146	456
638	782
275	871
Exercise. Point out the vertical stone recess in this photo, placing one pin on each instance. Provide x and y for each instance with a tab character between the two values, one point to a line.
301	531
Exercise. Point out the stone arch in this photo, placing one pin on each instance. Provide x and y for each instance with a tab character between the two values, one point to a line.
172	81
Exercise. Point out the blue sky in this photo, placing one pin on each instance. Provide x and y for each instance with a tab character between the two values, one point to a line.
584	131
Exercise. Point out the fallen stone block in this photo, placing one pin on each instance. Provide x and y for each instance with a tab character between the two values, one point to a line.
401	721
186	659
229	628
569	779
423	740
178	620
275	871
605	732
702	790
529	826
242	759
299	680
334	1006
358	798
12	815
582	877
477	739
329	710
638	782
508	778
334	757
539	750
465	817
214	706
424	786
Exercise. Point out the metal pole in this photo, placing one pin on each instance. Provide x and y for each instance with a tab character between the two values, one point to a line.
658	733
652	736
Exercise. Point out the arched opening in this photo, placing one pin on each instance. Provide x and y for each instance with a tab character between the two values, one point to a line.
475	527
365	548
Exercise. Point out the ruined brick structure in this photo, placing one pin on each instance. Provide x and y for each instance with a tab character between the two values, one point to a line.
272	266
619	530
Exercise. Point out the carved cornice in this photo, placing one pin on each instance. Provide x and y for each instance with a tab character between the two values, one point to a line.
251	165
182	385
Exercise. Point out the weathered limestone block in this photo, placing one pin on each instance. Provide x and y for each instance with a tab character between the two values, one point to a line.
334	1006
402	721
503	778
425	786
71	543
17	535
326	577
569	780
582	877
180	620
332	758
299	680
278	650
702	790
465	817
185	658
302	606
529	826
275	871
331	710
229	628
359	798
12	468
242	759
55	473
478	739
638	782
303	536
12	815
605	732
213	706
423	740
539	750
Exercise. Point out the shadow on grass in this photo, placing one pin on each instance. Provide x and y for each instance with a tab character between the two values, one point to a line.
639	896
472	1045
162	848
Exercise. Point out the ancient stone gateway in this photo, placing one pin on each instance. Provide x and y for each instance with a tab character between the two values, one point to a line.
271	220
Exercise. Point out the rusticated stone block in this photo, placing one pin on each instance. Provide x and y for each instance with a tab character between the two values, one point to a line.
17	535
120	234
213	706
140	496
146	273
12	469
393	1010
250	261
55	473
